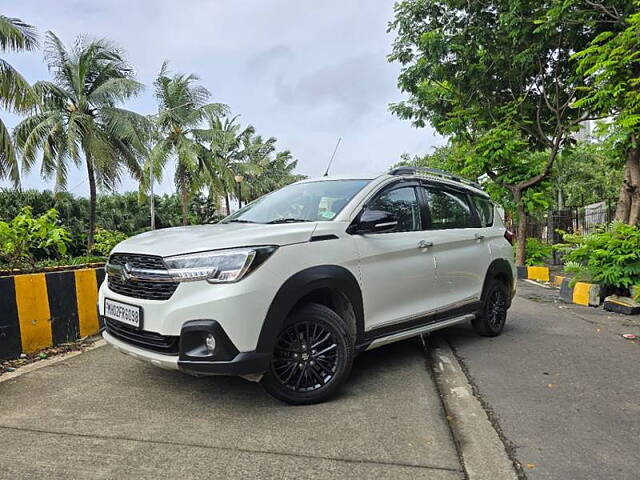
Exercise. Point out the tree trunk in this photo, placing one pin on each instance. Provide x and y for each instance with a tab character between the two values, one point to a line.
226	202
628	207
184	198
633	161
92	202
623	207
521	234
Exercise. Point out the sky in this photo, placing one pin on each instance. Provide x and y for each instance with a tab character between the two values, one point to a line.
306	72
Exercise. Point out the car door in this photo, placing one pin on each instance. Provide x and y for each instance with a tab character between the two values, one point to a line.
397	269
460	253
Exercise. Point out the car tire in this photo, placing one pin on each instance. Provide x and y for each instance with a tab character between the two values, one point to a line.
312	357
490	319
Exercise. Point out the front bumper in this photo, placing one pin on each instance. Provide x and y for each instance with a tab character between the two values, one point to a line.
168	362
192	357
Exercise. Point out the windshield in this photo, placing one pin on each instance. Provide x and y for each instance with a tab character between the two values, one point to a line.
300	202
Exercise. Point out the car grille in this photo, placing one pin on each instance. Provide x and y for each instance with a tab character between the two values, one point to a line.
147	290
166	344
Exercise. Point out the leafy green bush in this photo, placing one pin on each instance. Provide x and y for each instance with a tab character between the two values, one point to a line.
537	253
26	239
105	240
610	257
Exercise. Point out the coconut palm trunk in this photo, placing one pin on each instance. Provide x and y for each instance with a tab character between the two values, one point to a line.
93	200
184	200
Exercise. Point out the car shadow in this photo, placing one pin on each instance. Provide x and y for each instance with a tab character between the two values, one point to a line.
368	368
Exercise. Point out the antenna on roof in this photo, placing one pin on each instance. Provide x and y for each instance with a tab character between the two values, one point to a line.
326	173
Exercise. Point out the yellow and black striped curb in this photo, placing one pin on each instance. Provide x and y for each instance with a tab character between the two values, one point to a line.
41	310
534	273
582	293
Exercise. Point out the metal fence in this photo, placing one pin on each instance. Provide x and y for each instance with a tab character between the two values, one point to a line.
573	219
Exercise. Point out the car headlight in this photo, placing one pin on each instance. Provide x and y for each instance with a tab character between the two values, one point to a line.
217	266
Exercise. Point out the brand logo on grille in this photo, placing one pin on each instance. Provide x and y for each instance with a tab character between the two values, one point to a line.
125	273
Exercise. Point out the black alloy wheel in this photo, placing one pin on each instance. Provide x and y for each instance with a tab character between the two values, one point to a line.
312	356
490	319
497	309
306	357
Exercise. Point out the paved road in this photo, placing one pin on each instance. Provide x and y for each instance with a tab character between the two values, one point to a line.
105	415
563	384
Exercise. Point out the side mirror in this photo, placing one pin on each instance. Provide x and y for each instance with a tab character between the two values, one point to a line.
374	221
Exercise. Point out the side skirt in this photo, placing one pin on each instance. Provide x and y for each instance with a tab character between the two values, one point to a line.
396	337
393	333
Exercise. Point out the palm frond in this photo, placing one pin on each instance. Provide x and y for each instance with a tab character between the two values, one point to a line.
114	91
16	35
8	161
15	92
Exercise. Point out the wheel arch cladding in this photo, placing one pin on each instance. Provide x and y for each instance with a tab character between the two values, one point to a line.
500	269
302	284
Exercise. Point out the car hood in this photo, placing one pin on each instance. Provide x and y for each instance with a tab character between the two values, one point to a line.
179	240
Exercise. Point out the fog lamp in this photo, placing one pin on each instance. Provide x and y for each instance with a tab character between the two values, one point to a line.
210	342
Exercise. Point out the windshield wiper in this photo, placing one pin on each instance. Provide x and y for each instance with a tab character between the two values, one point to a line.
288	220
239	220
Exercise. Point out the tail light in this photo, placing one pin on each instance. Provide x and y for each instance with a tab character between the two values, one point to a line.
510	236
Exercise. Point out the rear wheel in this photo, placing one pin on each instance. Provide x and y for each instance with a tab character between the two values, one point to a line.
490	319
312	357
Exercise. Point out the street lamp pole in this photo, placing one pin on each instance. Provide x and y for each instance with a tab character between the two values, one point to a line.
239	179
152	206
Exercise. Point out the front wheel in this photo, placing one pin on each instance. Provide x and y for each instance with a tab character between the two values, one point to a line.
312	357
490	319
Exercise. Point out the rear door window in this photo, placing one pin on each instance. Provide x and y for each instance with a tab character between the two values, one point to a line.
448	209
485	210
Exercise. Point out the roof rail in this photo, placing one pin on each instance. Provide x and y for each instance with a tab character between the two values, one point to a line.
435	172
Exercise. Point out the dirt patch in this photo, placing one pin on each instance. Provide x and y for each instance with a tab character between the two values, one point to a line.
7	366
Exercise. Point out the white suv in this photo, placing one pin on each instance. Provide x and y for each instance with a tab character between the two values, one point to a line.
291	287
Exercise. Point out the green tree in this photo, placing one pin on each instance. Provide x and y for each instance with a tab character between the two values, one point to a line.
587	173
493	77
78	116
182	107
15	93
611	64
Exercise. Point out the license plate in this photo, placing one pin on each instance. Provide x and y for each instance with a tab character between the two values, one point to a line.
123	312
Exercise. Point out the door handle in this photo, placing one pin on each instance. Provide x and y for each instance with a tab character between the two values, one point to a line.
424	244
478	236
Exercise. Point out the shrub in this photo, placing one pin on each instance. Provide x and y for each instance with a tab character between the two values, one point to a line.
105	240
537	253
610	257
25	239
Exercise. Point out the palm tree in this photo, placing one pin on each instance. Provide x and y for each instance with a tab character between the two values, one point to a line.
78	116
182	107
274	172
15	92
226	155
